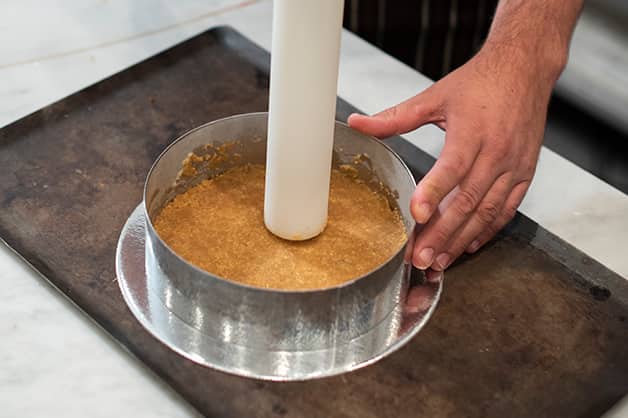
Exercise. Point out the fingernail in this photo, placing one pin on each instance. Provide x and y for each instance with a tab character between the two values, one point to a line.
422	213
353	116
442	261
426	257
474	246
433	276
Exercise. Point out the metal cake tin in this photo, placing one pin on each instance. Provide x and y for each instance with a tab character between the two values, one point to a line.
265	333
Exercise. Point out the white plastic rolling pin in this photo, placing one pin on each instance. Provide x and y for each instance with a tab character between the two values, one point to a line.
303	86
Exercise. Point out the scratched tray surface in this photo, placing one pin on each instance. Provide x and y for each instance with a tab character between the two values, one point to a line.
527	327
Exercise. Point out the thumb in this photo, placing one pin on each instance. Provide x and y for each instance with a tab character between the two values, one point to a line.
404	117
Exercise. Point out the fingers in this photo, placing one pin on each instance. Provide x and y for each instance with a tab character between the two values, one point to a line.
508	212
495	210
419	110
431	244
455	161
419	299
433	276
483	218
407	256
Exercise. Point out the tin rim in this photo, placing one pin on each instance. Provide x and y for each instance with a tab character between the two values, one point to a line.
211	276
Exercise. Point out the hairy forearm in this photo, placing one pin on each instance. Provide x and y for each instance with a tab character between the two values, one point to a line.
535	30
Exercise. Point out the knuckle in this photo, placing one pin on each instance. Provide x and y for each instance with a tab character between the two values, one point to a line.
390	113
488	213
500	150
420	109
465	202
525	169
455	163
390	116
436	236
440	236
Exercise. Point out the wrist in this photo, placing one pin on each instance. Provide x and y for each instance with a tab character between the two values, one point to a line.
543	54
541	63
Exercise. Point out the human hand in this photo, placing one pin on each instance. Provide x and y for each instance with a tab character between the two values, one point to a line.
493	110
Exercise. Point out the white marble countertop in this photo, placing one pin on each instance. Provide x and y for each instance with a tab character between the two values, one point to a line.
54	361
